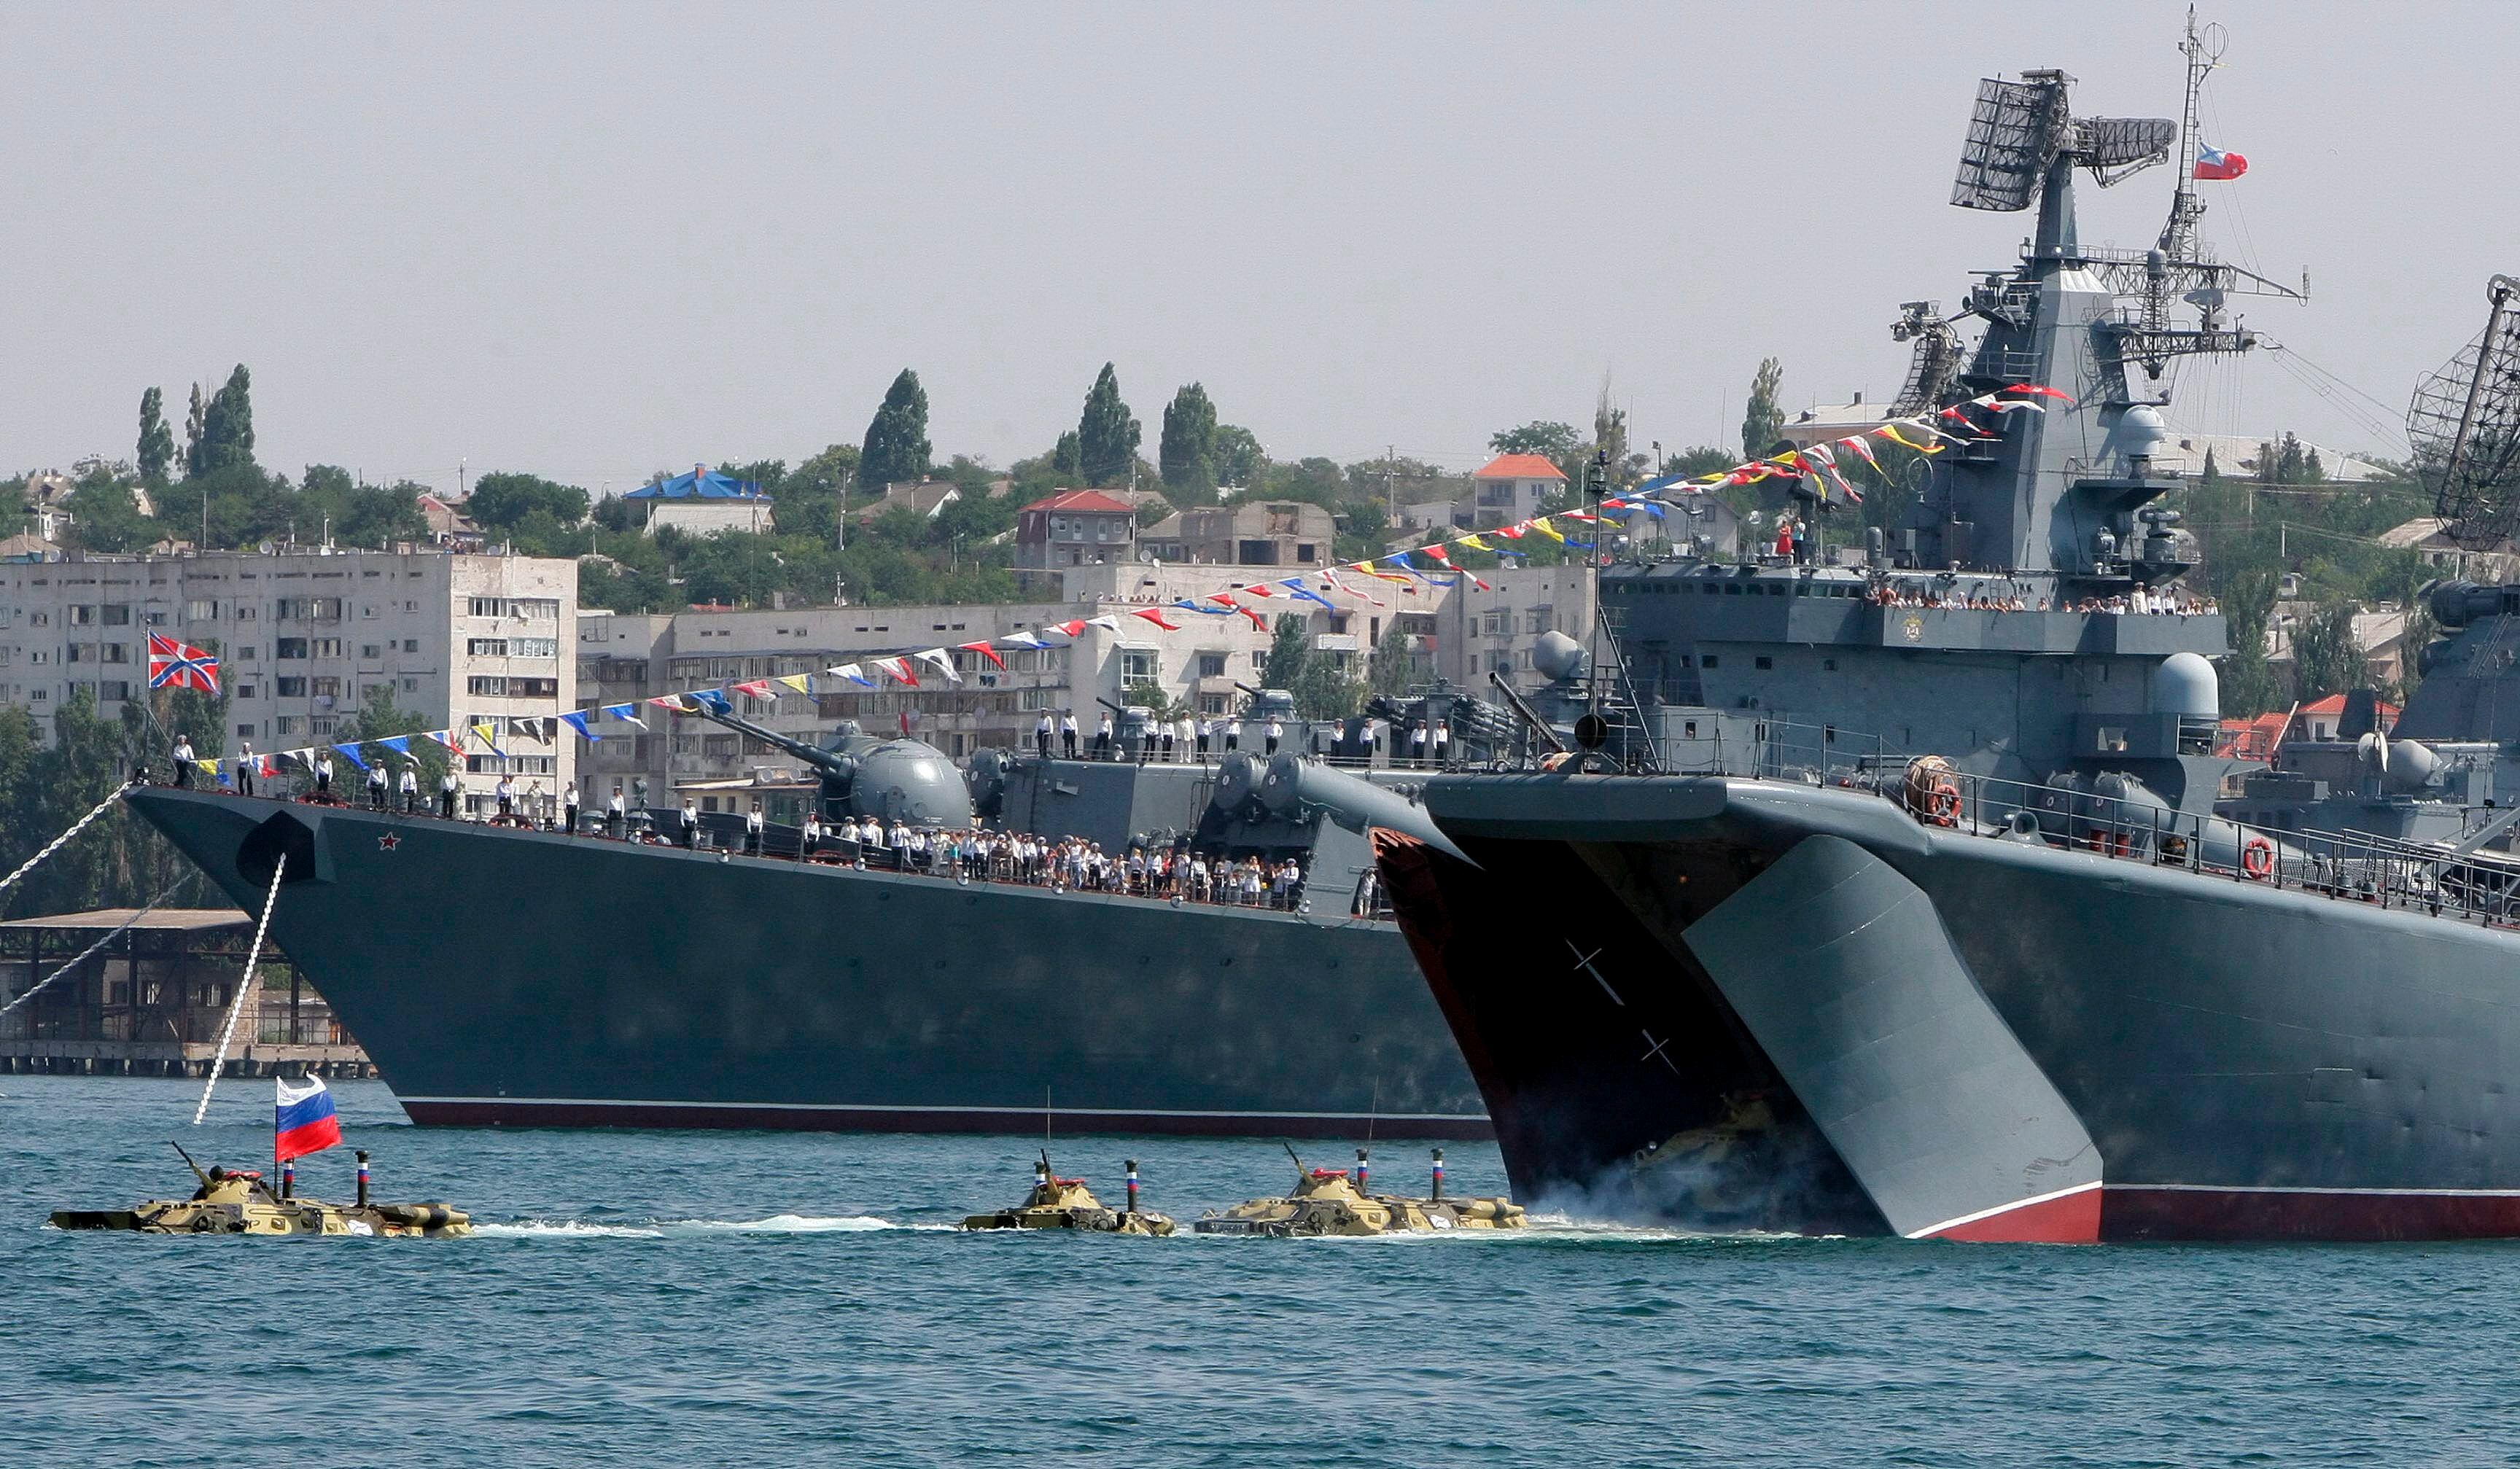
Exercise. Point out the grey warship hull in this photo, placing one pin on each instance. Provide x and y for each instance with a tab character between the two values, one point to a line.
520	978
1969	1036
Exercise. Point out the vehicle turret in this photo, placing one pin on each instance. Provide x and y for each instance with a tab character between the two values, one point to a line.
1057	1203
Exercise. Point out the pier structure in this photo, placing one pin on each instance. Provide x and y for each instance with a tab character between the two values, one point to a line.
152	1001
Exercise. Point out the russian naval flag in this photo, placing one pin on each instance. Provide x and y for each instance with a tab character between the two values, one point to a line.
304	1120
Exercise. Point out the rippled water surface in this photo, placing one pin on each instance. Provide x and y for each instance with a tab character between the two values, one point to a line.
654	1298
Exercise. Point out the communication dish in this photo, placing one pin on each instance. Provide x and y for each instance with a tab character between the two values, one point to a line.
2464	426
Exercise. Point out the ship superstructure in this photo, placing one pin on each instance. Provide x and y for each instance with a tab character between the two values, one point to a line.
1894	899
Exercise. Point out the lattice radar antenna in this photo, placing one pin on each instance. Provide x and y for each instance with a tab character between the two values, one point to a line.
2464	425
2019	129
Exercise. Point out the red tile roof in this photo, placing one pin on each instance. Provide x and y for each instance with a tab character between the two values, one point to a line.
1083	500
1521	466
2334	703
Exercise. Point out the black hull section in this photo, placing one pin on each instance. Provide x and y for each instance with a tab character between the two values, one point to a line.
519	978
2238	1062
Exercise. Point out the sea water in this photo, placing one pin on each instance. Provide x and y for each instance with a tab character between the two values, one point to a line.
767	1299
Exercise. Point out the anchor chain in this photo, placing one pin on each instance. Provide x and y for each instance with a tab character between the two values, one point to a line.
244	987
84	954
55	844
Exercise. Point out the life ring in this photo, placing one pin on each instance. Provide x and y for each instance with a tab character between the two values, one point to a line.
2258	857
1943	806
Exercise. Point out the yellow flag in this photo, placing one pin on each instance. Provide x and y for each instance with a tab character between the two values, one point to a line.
1474	542
1891	432
487	737
796	680
1542	527
208	767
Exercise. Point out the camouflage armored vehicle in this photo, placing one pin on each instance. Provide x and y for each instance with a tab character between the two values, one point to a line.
1057	1203
1332	1201
241	1203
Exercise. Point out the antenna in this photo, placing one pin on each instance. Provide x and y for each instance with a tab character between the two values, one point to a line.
2019	129
2464	425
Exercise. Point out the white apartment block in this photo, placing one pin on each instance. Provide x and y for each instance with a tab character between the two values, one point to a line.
625	658
1495	631
301	636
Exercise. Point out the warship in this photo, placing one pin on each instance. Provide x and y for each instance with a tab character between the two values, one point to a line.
502	976
1893	896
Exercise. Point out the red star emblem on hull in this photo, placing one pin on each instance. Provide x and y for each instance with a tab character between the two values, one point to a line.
389	841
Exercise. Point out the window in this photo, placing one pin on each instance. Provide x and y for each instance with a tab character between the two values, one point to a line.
328	687
1710	661
117	615
490	684
533	647
411	685
1763	663
288	648
718	746
117	653
411	644
1211	665
247	613
39	619
244	690
244	731
82	616
1493	624
538	608
327	648
82	652
1306	551
113	689
1138	665
371	651
485	648
1537	620
201	612
290	688
486	606
244	654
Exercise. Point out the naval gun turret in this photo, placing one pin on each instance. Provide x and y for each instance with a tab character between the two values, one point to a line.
862	775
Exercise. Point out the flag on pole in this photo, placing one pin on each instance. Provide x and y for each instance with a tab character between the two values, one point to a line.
673	703
176	664
2218	166
1021	639
900	670
304	1119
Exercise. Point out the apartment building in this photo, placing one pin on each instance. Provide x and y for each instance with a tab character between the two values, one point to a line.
303	634
625	658
1494	631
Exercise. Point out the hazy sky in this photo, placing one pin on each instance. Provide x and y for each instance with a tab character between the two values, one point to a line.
593	242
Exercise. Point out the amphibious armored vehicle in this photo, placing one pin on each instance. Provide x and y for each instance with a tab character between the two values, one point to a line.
1057	1203
1332	1201
241	1203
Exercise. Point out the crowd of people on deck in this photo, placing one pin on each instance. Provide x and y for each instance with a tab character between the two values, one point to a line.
2141	601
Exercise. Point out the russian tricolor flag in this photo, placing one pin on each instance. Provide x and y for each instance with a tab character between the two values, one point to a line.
303	1121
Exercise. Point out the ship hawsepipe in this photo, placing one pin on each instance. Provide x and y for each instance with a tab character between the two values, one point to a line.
1949	1033
501	976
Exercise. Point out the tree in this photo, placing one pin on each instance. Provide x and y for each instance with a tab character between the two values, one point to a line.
104	517
1189	450
193	433
1239	460
2325	657
1549	440
1106	435
2248	681
1284	668
1391	664
1068	458
227	427
896	448
502	501
157	441
1610	437
1764	419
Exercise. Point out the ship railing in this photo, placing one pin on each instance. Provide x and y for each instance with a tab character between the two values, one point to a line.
1779	749
2347	867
